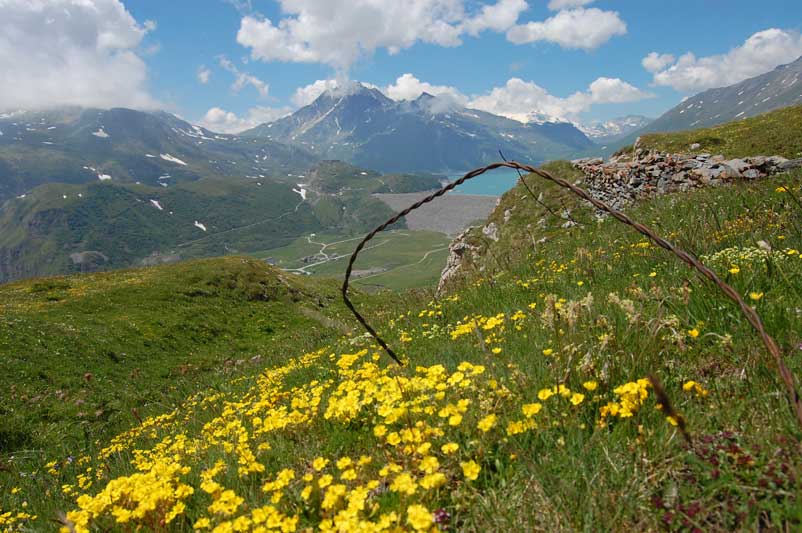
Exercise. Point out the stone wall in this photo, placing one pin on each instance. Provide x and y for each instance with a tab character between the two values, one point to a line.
643	174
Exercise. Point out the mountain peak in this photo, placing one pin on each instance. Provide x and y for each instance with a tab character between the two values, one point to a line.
539	117
352	88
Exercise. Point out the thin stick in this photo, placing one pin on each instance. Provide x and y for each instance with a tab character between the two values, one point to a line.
751	315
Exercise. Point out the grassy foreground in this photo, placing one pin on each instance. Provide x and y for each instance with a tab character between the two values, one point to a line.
84	356
523	404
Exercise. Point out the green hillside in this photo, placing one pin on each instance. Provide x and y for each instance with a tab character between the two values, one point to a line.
85	356
62	228
524	404
775	133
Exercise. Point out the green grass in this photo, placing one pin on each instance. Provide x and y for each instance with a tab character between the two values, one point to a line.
775	133
80	354
611	308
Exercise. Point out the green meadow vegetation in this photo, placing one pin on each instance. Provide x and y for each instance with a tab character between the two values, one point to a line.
396	259
775	133
524	402
223	395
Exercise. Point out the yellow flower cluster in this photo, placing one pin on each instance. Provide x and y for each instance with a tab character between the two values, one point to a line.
426	430
631	397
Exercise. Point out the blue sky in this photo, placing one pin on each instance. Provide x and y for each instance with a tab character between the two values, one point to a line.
554	50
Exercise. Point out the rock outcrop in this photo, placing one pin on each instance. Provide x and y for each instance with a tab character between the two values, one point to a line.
458	251
645	173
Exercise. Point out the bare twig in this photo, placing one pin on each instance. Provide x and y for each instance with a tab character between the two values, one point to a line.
751	315
668	409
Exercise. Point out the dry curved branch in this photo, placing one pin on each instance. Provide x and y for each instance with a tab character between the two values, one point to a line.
751	315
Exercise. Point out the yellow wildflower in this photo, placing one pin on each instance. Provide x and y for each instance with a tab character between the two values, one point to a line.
487	423
470	470
449	448
531	409
319	463
419	517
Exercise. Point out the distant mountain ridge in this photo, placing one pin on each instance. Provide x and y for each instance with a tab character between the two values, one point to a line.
782	87
366	128
614	129
74	145
87	189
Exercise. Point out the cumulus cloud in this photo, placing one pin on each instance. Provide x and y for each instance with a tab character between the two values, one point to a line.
655	62
308	94
204	75
760	53
518	99
339	32
497	17
222	121
556	5
573	28
408	87
241	79
65	52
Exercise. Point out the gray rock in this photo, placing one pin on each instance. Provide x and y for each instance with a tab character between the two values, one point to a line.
737	164
695	146
491	231
727	171
752	173
790	165
776	160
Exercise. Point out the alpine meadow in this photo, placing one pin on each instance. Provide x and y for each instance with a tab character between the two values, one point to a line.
434	265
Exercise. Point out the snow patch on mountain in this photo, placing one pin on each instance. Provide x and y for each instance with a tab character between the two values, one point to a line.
617	127
172	159
101	133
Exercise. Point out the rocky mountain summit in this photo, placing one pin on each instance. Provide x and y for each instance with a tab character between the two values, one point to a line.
643	173
614	129
364	127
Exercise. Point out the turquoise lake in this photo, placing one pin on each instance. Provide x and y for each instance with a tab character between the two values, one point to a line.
493	183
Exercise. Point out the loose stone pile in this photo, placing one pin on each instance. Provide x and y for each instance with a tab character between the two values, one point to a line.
646	173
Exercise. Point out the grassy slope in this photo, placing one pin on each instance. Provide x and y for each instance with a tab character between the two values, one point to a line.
79	353
573	469
775	133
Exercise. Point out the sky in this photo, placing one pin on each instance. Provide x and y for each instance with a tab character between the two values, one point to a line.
232	64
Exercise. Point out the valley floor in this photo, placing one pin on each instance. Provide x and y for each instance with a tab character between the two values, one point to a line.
399	259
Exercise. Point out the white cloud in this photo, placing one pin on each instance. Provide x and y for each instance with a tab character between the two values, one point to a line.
519	98
339	32
408	87
614	91
241	79
67	52
498	17
223	121
556	5
760	53
204	74
655	62
306	95
574	28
